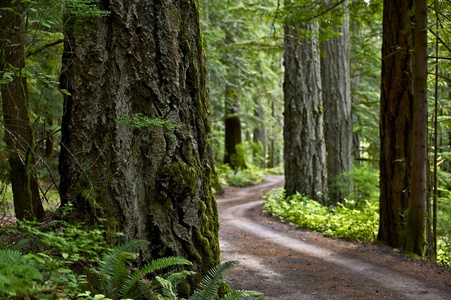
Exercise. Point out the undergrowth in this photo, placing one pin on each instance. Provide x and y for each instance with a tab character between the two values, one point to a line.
348	221
240	178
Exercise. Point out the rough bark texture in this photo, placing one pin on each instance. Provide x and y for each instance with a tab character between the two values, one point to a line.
336	94
150	183
396	120
305	150
18	132
415	240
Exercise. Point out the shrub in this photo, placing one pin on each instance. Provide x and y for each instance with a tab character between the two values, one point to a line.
344	221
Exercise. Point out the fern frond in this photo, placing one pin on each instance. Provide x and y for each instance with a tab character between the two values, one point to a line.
112	269
243	294
155	265
108	260
168	290
175	277
18	273
213	281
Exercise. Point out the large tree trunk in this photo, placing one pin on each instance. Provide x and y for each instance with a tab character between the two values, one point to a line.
336	94
18	131
152	182
396	120
305	150
415	238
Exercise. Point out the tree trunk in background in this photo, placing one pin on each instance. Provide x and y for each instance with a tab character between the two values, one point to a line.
336	95
151	183
415	237
18	132
259	137
355	135
305	150
232	154
272	143
396	121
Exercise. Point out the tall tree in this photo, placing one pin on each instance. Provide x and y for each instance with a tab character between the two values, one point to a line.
135	128
259	137
19	133
396	120
305	150
336	95
415	239
232	125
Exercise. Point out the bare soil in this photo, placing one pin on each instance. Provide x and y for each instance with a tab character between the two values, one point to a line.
286	262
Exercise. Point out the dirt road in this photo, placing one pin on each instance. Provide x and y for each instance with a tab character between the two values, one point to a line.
289	263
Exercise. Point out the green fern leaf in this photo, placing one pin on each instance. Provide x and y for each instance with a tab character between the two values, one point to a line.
213	281
243	294
168	290
155	265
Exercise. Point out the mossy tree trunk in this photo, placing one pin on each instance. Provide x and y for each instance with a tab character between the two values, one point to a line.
396	109
145	58
305	149
18	131
336	95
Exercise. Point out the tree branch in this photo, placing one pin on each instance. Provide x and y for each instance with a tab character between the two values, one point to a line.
40	49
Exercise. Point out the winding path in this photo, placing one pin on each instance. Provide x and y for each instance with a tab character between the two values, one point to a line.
289	263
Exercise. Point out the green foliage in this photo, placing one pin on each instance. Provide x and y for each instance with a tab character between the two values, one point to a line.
140	122
215	279
58	251
240	178
365	181
18	274
115	279
344	221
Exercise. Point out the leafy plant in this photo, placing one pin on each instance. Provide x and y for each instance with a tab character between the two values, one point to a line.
18	274
240	178
115	279
344	220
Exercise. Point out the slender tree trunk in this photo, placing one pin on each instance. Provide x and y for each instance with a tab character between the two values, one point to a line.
305	150
272	142
356	136
396	121
260	136
336	95
18	132
232	153
415	239
151	182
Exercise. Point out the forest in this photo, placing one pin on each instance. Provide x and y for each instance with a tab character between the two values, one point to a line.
122	120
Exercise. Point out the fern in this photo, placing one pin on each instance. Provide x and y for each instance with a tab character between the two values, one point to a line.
211	283
155	265
18	273
242	294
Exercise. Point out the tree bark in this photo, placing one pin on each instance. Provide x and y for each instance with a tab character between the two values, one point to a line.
18	131
153	182
396	121
232	153
336	95
259	136
305	150
415	239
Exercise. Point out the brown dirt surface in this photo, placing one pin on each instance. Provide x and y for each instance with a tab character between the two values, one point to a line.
286	262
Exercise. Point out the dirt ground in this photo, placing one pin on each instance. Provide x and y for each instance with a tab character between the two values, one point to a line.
286	262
